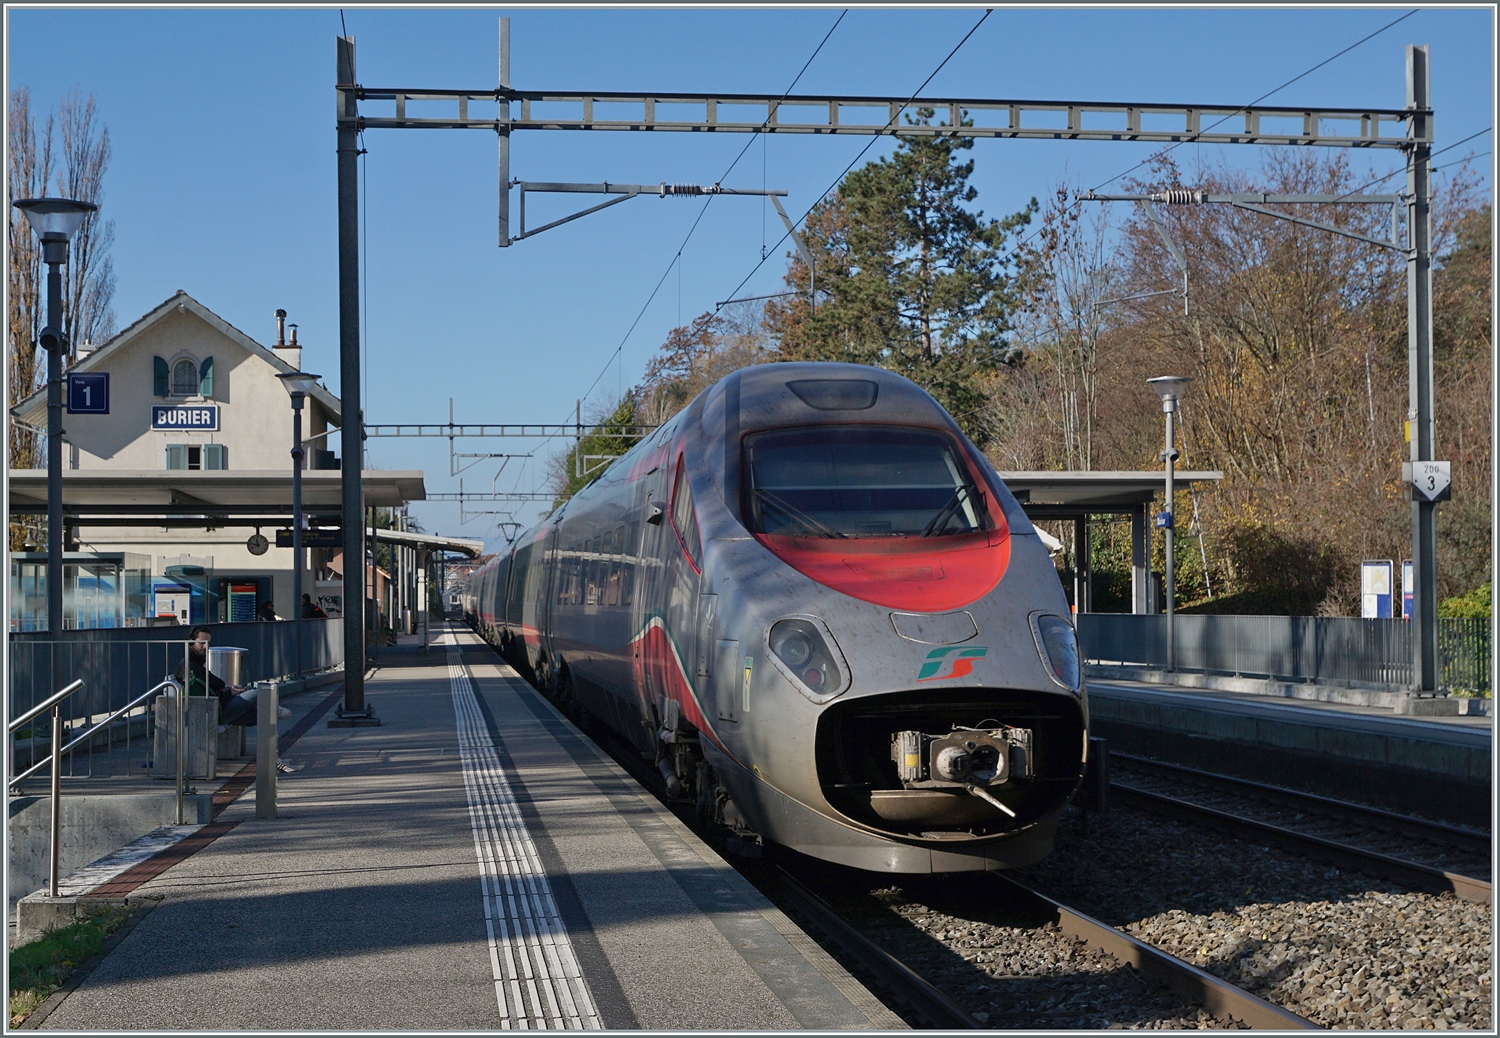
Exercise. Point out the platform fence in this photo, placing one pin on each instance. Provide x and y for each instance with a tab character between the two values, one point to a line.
1323	649
117	665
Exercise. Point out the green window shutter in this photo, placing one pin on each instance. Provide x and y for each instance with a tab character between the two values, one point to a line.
163	376
176	456
215	456
206	377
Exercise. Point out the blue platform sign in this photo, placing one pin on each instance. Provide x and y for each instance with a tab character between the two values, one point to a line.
88	393
185	417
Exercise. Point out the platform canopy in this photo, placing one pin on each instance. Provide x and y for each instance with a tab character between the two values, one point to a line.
100	497
432	542
1072	493
1075	496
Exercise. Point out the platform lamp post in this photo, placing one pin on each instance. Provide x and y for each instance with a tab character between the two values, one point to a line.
298	384
1170	388
54	221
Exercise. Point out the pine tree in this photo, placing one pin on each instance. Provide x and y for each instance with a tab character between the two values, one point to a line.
908	277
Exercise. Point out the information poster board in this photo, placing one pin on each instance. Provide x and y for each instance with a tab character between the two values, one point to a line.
1376	584
242	603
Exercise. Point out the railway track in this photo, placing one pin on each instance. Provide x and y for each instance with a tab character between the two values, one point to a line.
927	1004
1431	856
936	1009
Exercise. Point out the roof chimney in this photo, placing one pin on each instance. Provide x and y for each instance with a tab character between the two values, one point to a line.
289	352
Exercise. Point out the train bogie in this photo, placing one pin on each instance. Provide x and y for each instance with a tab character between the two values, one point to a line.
813	604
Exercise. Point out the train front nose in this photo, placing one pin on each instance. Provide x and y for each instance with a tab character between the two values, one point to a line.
950	763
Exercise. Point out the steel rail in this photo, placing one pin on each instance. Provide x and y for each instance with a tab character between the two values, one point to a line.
1216	995
1409	825
910	987
1372	863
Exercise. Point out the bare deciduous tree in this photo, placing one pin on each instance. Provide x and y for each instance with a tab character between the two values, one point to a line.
29	155
66	154
1064	327
89	281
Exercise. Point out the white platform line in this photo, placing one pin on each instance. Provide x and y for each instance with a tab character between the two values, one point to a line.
538	982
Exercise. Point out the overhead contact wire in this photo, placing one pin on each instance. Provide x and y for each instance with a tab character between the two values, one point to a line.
1258	100
1301	75
677	256
839	179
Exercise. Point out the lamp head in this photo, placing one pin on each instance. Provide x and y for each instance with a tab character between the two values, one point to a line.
298	383
54	219
1170	388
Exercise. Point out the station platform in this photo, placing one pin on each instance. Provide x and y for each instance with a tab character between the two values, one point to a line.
475	862
1431	766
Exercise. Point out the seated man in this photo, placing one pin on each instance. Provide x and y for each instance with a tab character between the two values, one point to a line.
236	705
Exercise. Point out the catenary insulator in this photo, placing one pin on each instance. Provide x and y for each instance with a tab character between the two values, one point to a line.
1179	196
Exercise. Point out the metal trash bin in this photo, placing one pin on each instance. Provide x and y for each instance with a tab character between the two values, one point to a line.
227	663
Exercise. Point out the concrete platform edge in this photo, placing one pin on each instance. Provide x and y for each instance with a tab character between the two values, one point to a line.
1407	703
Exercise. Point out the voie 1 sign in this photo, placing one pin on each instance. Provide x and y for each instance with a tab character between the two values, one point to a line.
185	417
88	393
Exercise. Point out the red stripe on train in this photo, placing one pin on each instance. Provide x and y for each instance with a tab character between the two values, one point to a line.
922	574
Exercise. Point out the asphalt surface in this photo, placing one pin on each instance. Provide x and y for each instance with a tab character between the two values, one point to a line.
396	887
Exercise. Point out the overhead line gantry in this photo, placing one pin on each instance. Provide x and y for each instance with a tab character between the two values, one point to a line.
1408	129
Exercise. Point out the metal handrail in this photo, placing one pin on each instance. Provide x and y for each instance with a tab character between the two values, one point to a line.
45	705
93	729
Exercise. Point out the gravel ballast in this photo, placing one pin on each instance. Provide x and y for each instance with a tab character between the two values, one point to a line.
1335	947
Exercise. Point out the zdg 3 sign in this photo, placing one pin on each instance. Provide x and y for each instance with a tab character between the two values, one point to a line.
1430	480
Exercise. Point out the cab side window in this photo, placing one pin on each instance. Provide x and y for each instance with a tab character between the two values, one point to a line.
685	519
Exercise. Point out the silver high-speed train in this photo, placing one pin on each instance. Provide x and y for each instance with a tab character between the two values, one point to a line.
811	601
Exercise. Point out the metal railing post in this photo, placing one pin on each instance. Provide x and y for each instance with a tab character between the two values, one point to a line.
56	838
187	683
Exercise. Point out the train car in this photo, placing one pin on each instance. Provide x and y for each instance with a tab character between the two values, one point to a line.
812	602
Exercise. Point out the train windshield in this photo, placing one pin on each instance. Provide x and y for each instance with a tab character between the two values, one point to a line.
859	481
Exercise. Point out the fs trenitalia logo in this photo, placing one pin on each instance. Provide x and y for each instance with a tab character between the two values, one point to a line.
963	663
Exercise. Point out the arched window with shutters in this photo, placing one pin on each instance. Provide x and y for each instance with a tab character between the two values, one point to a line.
185	377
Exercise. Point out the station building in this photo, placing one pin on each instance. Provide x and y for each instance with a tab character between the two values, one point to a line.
175	494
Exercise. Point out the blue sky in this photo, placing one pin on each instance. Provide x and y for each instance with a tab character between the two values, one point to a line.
222	181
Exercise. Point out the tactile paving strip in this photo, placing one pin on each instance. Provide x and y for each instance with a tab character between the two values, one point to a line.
538	983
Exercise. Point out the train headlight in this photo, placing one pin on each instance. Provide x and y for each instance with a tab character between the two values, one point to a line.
804	651
794	646
1058	645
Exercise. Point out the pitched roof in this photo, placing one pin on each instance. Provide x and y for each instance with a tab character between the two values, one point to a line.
181	301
